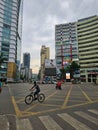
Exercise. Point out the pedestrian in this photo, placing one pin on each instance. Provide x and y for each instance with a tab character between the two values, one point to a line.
0	86
58	85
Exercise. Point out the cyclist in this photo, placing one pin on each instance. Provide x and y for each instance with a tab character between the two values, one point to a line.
36	88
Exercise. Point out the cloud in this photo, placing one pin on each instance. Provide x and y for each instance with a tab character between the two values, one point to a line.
40	18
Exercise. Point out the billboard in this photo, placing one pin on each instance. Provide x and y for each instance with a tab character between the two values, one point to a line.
50	71
50	67
67	75
50	63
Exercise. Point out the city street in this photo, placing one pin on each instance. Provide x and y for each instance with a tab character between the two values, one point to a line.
75	107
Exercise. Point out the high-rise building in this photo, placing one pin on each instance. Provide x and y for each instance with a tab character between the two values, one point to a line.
10	37
66	45
26	60
45	54
87	30
78	41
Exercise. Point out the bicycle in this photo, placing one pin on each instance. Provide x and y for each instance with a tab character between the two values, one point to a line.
30	98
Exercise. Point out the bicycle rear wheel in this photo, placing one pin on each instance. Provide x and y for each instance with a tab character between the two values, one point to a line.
41	97
28	99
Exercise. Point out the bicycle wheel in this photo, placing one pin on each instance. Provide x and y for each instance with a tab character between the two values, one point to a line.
28	99
41	97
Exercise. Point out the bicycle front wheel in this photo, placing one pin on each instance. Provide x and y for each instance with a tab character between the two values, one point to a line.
28	99
41	97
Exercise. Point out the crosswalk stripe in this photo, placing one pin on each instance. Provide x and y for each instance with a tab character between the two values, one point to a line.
4	124
73	122
49	123
93	111
87	117
23	124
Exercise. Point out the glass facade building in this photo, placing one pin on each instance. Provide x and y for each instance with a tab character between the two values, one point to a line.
26	60
78	41
10	37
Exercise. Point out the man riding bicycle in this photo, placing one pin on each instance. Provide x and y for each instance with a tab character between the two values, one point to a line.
34	95
36	88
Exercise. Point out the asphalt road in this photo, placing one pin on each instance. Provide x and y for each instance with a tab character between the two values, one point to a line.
73	107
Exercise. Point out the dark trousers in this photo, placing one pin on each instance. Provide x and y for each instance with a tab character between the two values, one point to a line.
36	92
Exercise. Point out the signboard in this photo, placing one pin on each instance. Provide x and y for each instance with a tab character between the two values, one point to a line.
50	63
50	67
50	71
76	75
67	75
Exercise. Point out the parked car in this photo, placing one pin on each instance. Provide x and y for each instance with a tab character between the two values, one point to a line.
43	82
54	81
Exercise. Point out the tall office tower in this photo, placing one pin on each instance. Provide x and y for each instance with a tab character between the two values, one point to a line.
26	60
10	37
45	54
66	45
87	30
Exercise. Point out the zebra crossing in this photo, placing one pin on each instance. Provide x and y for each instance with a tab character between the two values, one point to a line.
50	123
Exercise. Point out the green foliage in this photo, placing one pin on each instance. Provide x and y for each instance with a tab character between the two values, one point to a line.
74	66
21	77
71	69
63	73
2	59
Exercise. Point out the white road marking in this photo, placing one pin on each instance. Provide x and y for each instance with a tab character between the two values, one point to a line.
4	124
93	111
87	117
73	122
23	124
49	123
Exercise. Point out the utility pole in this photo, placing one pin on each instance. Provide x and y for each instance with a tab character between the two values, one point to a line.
62	53
62	56
71	52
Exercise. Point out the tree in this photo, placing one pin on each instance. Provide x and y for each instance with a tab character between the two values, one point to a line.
73	67
21	77
2	59
69	69
63	73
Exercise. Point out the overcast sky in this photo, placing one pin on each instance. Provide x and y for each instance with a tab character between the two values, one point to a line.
40	18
